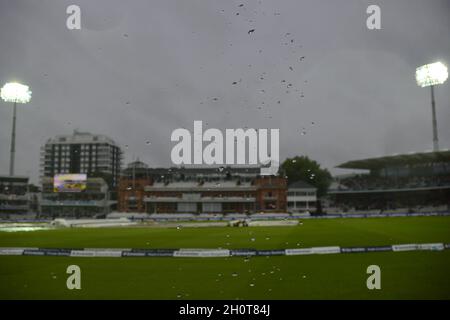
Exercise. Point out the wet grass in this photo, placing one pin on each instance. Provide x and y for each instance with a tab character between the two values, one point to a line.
405	275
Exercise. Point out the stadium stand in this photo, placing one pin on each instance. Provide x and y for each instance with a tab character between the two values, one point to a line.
415	182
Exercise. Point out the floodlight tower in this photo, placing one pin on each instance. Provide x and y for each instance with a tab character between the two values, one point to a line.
430	75
16	93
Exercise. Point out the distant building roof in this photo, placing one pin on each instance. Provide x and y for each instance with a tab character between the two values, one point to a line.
301	185
398	159
80	137
137	165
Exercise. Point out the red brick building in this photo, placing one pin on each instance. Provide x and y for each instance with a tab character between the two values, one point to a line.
131	194
271	193
202	190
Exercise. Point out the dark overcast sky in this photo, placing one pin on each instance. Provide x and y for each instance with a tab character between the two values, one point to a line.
137	70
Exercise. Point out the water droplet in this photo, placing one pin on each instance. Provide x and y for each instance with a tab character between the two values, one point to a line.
234	274
252	284
252	239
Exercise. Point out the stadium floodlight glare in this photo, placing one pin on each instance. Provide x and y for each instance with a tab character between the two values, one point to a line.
430	75
16	93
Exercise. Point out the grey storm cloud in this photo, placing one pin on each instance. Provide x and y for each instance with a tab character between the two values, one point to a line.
137	70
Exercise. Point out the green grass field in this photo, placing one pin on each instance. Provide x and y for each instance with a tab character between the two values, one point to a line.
404	275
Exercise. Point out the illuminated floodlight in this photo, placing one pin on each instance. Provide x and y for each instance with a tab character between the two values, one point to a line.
431	74
15	92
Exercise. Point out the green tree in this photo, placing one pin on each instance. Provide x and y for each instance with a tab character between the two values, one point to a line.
301	168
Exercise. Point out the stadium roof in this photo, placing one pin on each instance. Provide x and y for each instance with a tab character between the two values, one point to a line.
398	159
